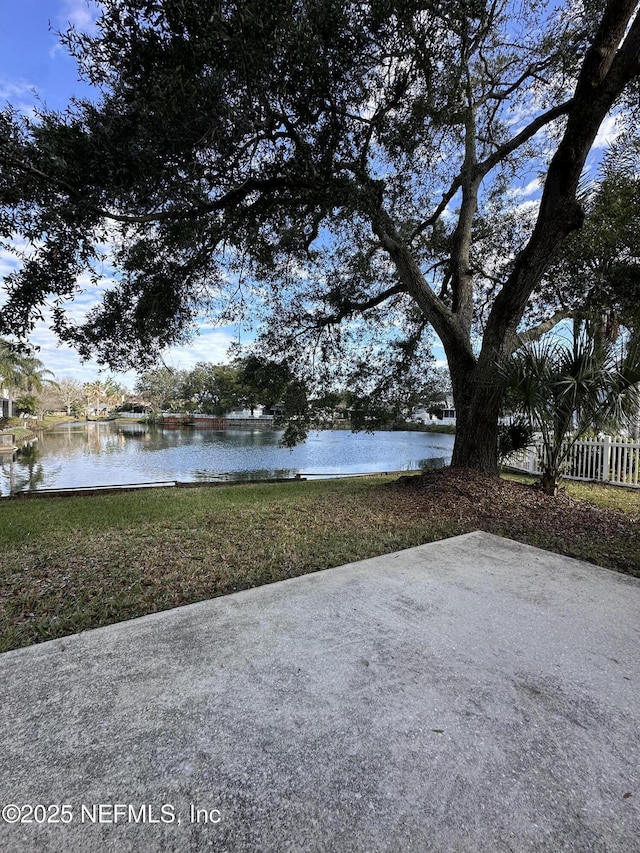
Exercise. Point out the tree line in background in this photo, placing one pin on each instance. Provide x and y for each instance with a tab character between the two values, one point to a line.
249	383
255	382
216	389
30	389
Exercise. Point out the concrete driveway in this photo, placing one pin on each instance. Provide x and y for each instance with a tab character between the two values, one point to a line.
473	694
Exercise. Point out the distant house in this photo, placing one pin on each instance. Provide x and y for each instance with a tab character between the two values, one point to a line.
447	416
6	407
100	411
272	412
421	415
436	413
244	413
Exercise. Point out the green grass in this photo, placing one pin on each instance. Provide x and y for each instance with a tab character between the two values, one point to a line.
19	432
70	564
75	563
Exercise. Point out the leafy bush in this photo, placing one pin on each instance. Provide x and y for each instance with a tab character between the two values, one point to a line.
518	435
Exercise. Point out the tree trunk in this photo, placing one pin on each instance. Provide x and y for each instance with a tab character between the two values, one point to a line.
550	484
477	401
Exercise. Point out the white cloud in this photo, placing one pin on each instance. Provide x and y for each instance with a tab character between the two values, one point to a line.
62	360
10	90
20	93
532	188
210	345
518	116
608	133
526	206
81	14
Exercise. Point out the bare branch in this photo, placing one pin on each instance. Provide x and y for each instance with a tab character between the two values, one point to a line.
525	135
532	70
536	332
348	307
485	166
437	213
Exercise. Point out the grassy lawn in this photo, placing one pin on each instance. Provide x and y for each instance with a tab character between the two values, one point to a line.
70	564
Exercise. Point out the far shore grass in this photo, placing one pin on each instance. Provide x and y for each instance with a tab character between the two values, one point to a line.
24	432
75	563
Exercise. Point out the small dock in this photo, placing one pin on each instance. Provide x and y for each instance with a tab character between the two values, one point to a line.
213	422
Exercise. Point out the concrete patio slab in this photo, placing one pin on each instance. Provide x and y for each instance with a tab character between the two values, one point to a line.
473	694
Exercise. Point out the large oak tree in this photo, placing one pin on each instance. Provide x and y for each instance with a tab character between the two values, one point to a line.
339	158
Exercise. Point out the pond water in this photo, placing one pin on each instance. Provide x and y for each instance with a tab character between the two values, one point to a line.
112	453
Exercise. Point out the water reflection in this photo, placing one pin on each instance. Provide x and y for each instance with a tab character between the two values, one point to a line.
25	470
96	454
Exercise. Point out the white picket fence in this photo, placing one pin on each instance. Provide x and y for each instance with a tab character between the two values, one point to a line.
605	459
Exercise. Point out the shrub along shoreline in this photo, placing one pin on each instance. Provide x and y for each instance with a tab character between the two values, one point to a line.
77	563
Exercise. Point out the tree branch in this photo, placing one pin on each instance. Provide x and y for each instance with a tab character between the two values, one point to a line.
437	213
445	322
536	332
500	95
485	166
229	199
606	71
519	139
348	307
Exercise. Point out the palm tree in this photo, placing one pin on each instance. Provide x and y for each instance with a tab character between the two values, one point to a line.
21	373
9	374
114	393
33	374
95	392
104	391
567	390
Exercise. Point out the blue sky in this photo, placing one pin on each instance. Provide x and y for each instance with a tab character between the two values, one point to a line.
30	55
33	66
